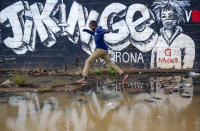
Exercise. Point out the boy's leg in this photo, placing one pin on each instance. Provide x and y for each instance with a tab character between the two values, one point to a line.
97	54
106	57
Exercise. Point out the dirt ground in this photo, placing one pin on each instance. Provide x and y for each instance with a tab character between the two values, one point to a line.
38	80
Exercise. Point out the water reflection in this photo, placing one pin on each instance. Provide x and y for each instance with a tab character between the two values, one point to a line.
106	108
159	85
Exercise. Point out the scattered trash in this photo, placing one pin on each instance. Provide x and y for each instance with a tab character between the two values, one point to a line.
187	85
52	73
153	99
186	95
7	83
39	72
36	72
149	100
176	89
194	74
158	98
112	105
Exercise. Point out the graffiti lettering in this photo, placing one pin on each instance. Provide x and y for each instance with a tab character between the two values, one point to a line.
41	19
128	57
45	25
125	57
24	37
79	16
10	14
119	28
168	60
129	26
168	52
139	33
188	15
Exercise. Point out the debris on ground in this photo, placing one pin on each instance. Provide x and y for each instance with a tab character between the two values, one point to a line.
50	73
157	98
175	89
150	100
36	72
112	105
7	83
194	74
186	95
40	72
153	99
187	85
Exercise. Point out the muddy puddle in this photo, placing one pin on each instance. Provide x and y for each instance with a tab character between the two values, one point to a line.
146	103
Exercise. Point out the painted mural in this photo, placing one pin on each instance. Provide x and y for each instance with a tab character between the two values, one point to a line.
172	44
155	34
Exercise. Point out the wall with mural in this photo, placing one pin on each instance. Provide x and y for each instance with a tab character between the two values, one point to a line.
145	34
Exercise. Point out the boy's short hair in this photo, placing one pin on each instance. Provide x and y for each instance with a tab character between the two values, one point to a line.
93	23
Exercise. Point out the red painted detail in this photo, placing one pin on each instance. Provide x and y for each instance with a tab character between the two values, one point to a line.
168	60
196	16
168	52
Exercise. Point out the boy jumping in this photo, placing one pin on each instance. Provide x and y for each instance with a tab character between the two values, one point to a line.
101	51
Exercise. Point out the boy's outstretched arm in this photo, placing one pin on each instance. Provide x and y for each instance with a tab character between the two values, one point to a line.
107	31
88	31
102	31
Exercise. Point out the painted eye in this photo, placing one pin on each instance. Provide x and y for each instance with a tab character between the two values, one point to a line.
170	16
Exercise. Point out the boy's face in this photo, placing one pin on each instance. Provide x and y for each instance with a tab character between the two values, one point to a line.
92	27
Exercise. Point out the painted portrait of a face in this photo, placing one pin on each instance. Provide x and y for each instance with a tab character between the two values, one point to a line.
174	49
168	18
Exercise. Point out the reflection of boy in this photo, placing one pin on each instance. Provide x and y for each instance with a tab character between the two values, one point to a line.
101	51
173	49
